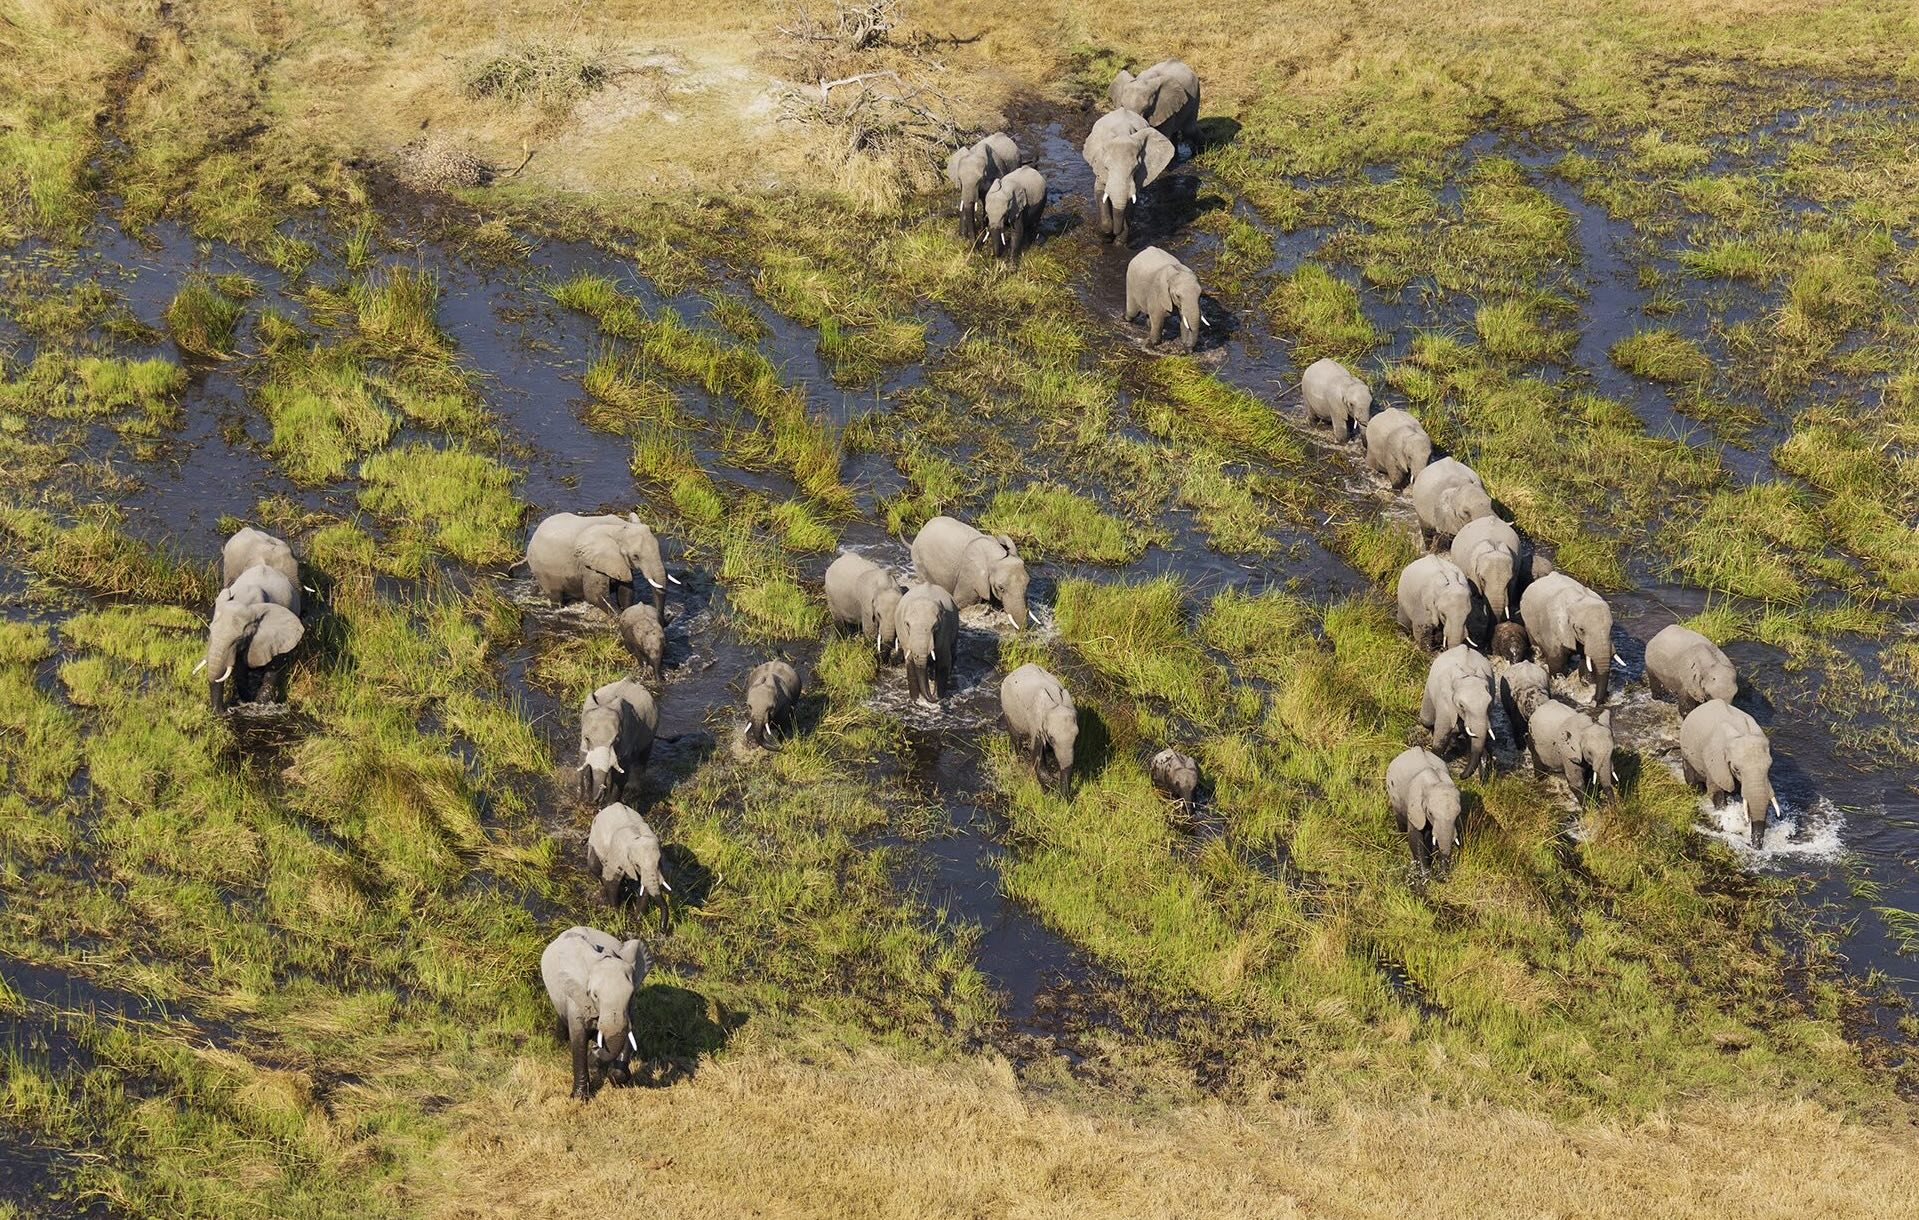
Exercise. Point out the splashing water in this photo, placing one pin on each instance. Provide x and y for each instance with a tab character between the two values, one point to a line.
1798	834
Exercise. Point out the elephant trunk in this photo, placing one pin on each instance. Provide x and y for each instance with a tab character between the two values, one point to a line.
1602	676
217	695
1760	803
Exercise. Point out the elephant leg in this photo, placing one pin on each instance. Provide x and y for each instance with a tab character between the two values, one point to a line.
1399	820
582	1082
1693	778
1018	240
610	891
1155	323
1686	705
1422	852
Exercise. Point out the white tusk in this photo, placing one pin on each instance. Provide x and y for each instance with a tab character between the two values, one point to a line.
228	674
581	767
1490	734
932	653
599	1040
672	579
656	584
1615	777
1618	660
201	665
666	885
1589	663
1775	807
632	1042
617	768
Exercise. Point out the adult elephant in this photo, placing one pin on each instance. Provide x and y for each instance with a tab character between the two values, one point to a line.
623	851
1724	751
972	566
772	702
1435	600
249	547
1576	746
1396	445
1566	619
1043	722
1486	549
617	726
590	978
594	559
1014	206
1159	285
973	169
1127	155
1165	95
1447	494
1335	397
929	640
1689	668
250	643
1459	697
863	595
1426	806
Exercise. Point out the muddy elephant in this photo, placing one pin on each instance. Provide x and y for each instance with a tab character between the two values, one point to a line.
250	644
866	597
1522	688
1014	206
1486	549
773	692
1426	806
929	640
1576	746
617	727
1127	155
248	547
1724	751
1447	494
1165	95
1566	619
1511	642
1689	668
645	638
1459	697
1043	722
1435	601
1334	396
623	851
972	566
1158	285
974	169
1396	445
596	559
590	977
1176	776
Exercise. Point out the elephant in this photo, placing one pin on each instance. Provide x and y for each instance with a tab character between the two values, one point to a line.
1575	745
622	848
862	594
590	977
1396	445
645	637
1157	284
1686	665
1435	600
1165	95
1042	720
975	168
1564	617
1176	775
929	639
593	559
1126	154
1016	203
1447	494
1459	695
1723	750
1426	807
772	699
260	583
1334	396
617	726
248	547
1486	549
1522	688
1511	641
252	643
972	566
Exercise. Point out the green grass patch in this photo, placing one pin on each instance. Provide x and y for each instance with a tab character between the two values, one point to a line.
203	319
1319	313
452	500
1059	523
1662	354
325	414
1179	402
1744	542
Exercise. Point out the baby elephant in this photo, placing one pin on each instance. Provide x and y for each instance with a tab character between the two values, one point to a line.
617	724
1042	720
1425	805
1014	205
1334	396
1176	775
1580	749
1723	750
1447	494
621	848
772	699
1689	667
1459	695
1396	445
590	977
1157	284
1522	688
1511	641
645	637
863	595
929	640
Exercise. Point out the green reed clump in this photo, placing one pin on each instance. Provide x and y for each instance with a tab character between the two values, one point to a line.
452	500
325	413
203	319
1062	524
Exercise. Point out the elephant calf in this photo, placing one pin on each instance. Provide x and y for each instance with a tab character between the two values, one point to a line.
1511	641
1522	688
1578	748
617	725
1565	619
1689	667
1435	601
1486	549
972	566
772	700
1165	95
622	849
1396	445
974	169
645	637
590	978
863	595
1459	695
1447	494
1176	775
1334	396
1014	206
1157	284
1724	751
1426	806
1126	154
929	640
1042	720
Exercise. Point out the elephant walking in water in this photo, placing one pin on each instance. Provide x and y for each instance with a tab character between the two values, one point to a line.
1577	747
1566	619
863	595
595	559
1689	667
1396	445
929	639
1435	602
974	169
972	566
1447	494
1127	155
256	625
590	979
1159	285
622	850
1334	396
1724	751
617	727
1486	549
1459	696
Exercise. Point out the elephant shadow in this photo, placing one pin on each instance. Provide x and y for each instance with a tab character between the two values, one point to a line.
691	880
674	1028
1216	132
1222	323
1093	749
1753	702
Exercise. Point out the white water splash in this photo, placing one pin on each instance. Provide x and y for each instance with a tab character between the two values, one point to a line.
1799	834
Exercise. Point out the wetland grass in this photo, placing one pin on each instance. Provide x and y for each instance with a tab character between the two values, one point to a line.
1060	524
203	319
451	500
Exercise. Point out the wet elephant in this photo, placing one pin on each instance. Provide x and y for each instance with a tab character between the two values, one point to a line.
590	979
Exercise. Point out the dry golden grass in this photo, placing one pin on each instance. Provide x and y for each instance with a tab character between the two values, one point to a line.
758	1133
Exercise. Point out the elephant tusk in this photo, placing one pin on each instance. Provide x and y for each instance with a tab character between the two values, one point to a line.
617	768
932	653
581	767
656	584
201	665
1490	734
632	1042
1775	808
599	1040
666	885
228	674
672	579
1618	660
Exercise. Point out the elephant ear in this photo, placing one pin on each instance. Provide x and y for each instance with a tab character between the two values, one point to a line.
632	953
1117	90
953	165
1156	155
1006	542
277	633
